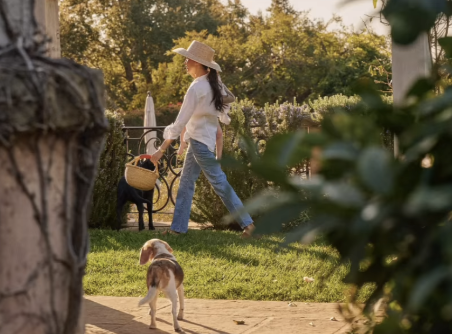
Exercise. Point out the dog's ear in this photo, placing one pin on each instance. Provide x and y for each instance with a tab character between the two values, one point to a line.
145	255
168	248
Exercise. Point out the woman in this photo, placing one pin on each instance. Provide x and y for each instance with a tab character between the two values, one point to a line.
202	106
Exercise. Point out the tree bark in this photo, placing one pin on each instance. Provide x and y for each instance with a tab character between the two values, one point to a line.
129	75
52	125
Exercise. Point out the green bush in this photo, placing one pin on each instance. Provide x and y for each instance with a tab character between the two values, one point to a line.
243	182
247	121
339	103
389	218
261	124
111	169
328	104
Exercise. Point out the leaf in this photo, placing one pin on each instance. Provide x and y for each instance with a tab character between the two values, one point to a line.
344	194
270	172
272	220
229	161
408	22
248	145
286	149
375	3
420	148
261	203
421	87
424	286
340	150
307	233
430	199
314	184
374	167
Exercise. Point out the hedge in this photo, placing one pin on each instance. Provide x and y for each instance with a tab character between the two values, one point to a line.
261	124
111	169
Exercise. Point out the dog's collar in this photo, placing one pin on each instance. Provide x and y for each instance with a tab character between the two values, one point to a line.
166	257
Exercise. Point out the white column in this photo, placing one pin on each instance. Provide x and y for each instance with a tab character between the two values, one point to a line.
409	63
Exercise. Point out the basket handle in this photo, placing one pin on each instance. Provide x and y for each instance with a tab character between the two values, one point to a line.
134	161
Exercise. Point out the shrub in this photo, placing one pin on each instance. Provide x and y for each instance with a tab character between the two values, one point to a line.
390	219
243	182
336	103
248	121
111	169
261	124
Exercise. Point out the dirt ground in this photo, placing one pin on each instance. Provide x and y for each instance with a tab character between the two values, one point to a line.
121	315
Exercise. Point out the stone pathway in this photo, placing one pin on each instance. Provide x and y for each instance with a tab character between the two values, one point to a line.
121	315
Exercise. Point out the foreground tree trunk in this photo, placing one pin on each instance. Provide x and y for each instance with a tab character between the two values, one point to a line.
51	134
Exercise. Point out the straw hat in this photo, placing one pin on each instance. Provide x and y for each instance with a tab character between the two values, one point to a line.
200	53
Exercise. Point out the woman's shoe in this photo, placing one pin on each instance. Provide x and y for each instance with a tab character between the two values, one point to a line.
168	232
248	231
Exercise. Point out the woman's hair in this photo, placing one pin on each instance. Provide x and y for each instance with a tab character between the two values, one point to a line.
212	77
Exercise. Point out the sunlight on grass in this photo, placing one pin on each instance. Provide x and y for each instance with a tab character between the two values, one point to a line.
220	265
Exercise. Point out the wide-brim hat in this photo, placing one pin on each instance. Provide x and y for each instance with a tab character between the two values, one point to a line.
200	53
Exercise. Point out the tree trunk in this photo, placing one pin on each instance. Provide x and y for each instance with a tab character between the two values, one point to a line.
129	75
51	134
146	71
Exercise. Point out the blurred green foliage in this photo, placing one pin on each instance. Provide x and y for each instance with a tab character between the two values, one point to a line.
389	218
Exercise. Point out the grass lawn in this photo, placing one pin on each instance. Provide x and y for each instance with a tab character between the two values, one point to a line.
220	265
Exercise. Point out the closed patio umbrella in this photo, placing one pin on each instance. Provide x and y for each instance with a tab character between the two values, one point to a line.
149	121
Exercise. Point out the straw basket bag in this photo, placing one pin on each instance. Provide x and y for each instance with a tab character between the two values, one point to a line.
140	178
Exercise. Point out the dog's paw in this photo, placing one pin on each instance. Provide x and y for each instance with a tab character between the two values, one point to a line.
152	326
179	330
180	316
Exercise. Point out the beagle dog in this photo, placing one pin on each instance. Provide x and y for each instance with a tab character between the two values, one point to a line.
164	274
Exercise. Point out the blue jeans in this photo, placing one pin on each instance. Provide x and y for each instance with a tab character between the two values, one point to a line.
200	158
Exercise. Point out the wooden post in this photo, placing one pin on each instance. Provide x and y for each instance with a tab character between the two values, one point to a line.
46	13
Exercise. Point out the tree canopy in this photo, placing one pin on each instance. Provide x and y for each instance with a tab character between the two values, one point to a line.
281	55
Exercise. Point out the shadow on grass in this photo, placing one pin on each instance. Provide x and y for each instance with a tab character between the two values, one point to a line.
210	243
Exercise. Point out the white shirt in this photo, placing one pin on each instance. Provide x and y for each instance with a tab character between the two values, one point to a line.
199	115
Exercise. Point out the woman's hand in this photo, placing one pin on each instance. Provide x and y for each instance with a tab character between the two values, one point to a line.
183	146
156	157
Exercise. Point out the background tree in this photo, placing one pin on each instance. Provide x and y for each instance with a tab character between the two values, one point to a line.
282	56
129	38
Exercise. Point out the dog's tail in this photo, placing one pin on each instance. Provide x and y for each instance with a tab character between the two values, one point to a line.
152	293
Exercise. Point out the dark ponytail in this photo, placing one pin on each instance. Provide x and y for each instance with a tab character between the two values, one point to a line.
212	77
